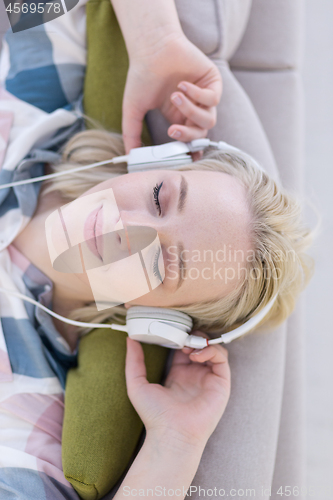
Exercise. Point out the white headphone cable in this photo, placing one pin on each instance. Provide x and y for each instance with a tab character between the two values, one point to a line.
117	159
193	340
62	318
136	159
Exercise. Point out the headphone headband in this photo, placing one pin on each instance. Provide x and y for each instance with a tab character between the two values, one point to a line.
157	325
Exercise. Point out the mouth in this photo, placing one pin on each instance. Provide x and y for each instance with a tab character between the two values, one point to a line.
93	228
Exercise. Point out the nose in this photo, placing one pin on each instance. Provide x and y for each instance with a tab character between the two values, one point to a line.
168	231
138	219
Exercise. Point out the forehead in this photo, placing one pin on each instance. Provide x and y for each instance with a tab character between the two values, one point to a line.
217	208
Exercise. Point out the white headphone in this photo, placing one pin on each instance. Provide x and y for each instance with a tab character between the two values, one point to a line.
154	325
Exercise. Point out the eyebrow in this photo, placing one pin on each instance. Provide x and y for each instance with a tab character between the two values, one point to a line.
181	264
180	207
182	194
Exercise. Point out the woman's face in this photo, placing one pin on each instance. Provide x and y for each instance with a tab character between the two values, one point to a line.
201	219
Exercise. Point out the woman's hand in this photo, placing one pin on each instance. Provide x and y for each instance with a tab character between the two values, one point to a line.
179	80
190	405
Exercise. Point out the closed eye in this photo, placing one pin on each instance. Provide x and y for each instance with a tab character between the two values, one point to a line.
156	191
156	270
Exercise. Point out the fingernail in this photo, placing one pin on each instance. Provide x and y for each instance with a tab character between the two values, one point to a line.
176	100
197	351
175	134
182	87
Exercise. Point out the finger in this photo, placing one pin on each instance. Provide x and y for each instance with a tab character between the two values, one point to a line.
181	358
213	353
135	368
202	117
207	97
186	133
216	355
189	350
212	80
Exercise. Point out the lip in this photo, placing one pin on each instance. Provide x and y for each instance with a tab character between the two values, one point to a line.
89	231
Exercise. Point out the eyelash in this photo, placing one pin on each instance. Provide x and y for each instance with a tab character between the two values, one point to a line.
156	191
156	270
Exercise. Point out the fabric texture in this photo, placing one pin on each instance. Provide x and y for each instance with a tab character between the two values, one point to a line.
34	360
280	109
34	357
221	27
273	39
49	56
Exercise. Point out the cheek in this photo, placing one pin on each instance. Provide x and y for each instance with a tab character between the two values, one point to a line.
155	298
119	282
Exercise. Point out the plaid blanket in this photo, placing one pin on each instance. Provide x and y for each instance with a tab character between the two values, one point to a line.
44	66
41	74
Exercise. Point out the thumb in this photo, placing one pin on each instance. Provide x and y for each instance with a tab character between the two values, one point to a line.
135	369
131	125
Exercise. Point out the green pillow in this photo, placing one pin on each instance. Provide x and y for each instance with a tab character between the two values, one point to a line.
107	66
101	429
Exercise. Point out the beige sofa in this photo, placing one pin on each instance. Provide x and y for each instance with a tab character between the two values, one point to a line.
259	442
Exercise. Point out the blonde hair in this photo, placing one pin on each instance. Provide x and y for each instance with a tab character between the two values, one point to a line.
279	263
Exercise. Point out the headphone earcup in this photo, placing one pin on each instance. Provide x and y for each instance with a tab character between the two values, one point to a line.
156	325
159	313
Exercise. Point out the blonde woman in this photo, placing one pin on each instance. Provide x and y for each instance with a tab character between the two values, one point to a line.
259	220
241	234
230	202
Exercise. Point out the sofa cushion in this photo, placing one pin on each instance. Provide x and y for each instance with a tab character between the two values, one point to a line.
221	27
273	37
278	99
